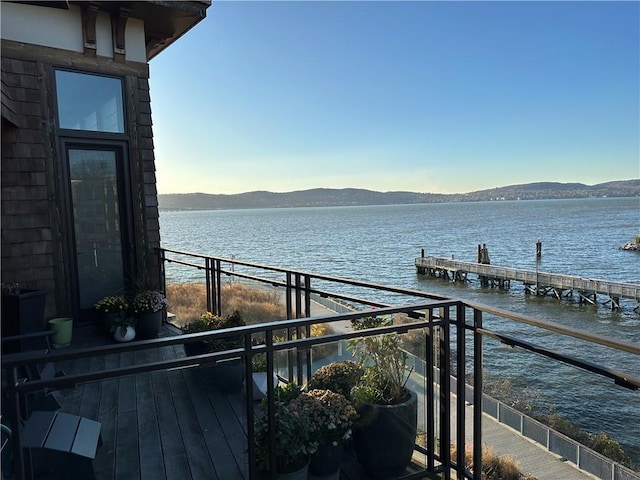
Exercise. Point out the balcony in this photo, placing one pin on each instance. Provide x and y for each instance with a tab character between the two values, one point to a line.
162	415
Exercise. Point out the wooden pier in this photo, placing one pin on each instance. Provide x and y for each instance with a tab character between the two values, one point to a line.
537	283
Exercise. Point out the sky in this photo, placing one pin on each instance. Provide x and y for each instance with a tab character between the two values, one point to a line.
422	96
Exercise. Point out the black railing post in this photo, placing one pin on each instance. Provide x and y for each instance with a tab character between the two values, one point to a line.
16	441
444	353
299	353
290	356
307	309
218	287
248	375
162	272
430	418
207	278
477	395
461	358
288	297
271	406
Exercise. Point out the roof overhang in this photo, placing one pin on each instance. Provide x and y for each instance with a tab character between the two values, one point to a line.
164	21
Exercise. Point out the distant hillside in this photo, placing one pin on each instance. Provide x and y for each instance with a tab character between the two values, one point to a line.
327	197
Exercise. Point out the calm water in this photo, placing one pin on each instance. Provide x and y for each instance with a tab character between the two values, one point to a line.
380	243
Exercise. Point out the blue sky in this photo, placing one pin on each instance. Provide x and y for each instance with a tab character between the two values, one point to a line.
440	97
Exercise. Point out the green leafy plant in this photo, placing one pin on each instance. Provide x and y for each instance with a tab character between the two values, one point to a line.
11	288
208	322
112	304
122	322
339	377
384	362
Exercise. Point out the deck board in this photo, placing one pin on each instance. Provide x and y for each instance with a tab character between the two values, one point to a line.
150	447
127	463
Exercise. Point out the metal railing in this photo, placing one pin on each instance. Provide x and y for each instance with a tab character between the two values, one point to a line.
452	333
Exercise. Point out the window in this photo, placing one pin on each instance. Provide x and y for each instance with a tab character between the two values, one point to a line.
89	102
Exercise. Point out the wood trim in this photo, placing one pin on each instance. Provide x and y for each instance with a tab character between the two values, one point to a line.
68	59
89	14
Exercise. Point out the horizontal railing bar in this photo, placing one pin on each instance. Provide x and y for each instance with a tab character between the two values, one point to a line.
320	276
571	332
620	378
14	360
601	340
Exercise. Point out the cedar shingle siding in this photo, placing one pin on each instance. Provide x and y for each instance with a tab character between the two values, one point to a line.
27	246
32	207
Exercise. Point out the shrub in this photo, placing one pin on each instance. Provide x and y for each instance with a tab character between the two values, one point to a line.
339	377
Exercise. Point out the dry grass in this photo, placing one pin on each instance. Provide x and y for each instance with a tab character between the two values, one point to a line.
188	301
494	467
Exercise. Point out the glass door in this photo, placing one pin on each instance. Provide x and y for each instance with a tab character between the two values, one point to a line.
99	224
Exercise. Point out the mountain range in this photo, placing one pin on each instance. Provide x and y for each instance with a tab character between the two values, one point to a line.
328	197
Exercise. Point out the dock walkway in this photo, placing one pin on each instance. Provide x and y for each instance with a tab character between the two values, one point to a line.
537	283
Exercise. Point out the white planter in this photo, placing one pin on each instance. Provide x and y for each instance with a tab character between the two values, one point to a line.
126	336
260	384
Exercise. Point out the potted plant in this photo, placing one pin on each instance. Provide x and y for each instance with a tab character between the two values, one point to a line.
332	417
149	306
386	407
123	328
112	307
227	374
339	377
294	444
22	313
259	375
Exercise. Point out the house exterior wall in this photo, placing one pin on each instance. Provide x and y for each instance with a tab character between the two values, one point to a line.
32	204
62	29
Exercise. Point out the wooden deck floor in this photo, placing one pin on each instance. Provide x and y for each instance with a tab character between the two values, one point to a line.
160	425
172	424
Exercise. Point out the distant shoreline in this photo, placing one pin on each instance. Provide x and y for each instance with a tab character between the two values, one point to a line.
324	197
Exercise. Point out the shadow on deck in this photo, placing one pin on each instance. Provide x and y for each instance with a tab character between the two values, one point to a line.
168	424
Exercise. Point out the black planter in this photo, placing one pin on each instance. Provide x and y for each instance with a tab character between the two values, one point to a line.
385	436
327	460
23	313
149	324
199	347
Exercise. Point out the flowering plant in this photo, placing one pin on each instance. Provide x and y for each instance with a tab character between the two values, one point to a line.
149	301
112	304
293	437
329	415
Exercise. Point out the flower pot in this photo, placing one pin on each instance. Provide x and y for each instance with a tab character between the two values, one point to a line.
149	324
385	436
327	460
199	347
63	326
21	314
300	474
124	334
260	384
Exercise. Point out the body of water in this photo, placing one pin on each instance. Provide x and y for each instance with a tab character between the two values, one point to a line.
380	243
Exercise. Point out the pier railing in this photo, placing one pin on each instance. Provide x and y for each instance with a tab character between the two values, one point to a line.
587	286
